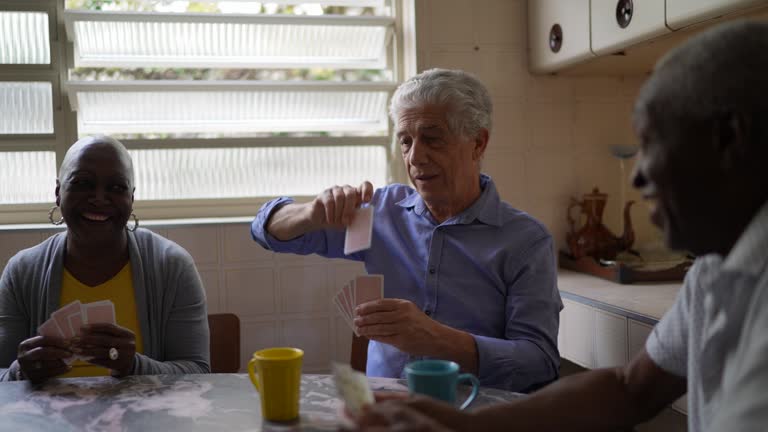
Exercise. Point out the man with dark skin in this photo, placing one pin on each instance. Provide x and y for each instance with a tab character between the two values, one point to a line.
702	121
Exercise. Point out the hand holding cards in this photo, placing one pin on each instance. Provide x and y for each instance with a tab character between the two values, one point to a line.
361	289
66	322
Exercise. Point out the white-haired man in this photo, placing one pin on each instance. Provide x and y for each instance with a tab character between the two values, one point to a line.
467	277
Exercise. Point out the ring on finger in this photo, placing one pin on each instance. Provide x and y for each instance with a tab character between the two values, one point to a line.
113	354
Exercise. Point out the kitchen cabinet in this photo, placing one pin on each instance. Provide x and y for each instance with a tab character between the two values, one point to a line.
617	24
577	326
558	33
604	324
610	340
682	13
580	37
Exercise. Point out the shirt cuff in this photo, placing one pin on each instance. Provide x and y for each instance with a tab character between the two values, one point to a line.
259	224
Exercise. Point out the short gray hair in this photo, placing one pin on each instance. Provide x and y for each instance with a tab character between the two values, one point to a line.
719	71
466	98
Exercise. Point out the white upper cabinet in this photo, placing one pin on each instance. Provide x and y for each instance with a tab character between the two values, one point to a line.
578	36
617	24
558	33
681	13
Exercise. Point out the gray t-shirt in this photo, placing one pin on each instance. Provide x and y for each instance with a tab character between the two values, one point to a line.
711	330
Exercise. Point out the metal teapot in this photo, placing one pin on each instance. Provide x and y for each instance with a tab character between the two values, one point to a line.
595	239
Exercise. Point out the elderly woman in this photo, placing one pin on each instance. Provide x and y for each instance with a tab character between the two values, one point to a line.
159	301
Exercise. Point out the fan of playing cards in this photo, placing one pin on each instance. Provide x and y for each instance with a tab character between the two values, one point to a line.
359	290
65	323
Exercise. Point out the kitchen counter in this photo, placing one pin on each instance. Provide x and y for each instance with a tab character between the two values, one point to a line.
644	302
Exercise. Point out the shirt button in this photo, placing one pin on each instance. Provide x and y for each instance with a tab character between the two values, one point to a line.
432	270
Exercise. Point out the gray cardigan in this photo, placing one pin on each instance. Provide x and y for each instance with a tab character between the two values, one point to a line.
170	301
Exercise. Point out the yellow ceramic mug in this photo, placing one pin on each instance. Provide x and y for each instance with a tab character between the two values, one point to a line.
277	379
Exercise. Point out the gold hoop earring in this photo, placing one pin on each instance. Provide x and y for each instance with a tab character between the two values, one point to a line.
135	223
50	216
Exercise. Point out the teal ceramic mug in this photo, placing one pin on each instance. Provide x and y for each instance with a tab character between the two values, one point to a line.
438	379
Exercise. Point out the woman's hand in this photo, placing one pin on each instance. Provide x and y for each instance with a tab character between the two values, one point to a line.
107	345
42	357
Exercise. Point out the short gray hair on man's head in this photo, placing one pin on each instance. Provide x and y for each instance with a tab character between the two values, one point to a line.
723	70
466	98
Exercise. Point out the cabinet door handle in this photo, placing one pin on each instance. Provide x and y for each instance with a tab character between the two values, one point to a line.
556	38
624	11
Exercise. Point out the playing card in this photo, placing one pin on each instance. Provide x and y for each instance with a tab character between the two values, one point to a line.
341	310
338	300
62	315
99	312
352	387
360	231
75	322
349	298
368	288
50	329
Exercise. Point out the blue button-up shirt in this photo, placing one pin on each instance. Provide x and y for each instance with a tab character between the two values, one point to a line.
489	271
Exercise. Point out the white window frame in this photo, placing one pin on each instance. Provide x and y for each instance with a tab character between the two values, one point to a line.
64	130
401	58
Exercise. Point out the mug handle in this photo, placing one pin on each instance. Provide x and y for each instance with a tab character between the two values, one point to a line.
475	388
252	374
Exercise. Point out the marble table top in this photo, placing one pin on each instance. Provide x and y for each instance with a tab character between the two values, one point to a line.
176	403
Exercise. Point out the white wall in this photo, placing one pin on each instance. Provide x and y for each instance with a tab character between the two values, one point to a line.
552	134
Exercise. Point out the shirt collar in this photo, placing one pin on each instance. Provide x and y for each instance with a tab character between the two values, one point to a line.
485	208
749	252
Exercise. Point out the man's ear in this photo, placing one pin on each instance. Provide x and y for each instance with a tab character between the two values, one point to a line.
731	140
58	198
481	143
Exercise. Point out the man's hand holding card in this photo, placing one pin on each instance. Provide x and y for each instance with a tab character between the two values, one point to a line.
399	323
362	289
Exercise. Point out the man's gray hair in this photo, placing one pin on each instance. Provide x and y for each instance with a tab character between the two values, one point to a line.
466	98
720	71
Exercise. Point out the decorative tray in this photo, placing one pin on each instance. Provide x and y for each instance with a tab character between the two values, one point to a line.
624	273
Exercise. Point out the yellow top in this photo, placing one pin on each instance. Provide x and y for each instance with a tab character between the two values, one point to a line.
119	290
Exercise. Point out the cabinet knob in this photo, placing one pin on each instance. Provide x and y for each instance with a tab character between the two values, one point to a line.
624	10
556	38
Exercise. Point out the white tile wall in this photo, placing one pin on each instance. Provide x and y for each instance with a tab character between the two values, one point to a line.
314	337
251	292
559	129
210	280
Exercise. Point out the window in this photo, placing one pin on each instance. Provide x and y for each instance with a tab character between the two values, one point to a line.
222	104
29	93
